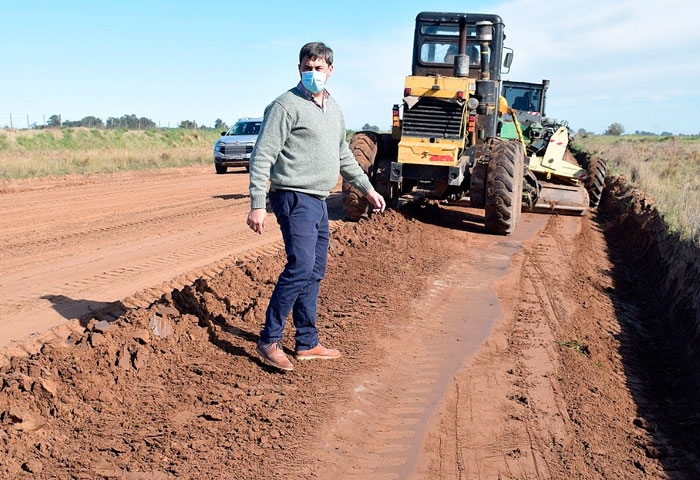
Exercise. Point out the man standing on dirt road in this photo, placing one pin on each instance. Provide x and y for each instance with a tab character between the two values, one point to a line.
301	149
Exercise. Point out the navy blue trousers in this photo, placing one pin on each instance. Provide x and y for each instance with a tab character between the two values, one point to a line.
303	220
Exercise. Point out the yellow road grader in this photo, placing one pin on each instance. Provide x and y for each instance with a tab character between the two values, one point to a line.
446	142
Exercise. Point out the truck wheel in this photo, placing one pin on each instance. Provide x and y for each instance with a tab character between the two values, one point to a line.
504	187
597	168
219	169
364	146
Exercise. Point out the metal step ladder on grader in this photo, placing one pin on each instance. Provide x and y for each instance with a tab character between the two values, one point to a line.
456	137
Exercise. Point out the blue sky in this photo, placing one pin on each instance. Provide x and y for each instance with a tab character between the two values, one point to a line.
632	62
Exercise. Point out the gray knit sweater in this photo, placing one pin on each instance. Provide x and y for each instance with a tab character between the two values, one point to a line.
302	148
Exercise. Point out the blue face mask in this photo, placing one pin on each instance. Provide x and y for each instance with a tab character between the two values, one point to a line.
314	81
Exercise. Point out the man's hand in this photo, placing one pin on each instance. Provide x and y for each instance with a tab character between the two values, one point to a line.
256	220
376	200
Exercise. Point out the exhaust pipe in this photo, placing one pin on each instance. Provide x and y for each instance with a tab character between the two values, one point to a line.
461	65
484	34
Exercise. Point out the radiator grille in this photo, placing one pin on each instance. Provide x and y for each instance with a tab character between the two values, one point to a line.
432	117
236	149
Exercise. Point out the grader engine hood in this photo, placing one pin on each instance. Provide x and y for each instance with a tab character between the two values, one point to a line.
434	119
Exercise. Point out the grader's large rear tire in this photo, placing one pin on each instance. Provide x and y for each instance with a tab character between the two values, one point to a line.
374	152
504	187
597	167
364	145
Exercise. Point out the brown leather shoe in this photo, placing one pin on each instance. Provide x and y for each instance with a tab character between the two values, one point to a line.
319	351
273	355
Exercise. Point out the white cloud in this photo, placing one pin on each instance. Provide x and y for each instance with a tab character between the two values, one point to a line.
610	61
628	62
369	77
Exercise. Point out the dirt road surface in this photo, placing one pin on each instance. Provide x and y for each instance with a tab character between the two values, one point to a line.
76	244
465	356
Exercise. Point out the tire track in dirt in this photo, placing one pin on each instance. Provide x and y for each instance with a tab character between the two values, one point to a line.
237	242
115	274
98	219
487	427
381	433
535	399
547	397
183	214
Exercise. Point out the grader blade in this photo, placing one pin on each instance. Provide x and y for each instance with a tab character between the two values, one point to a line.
561	199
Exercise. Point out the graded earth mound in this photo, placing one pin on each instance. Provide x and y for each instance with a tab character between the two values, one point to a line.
587	367
176	390
659	276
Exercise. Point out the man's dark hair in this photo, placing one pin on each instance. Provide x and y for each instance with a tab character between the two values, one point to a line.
314	50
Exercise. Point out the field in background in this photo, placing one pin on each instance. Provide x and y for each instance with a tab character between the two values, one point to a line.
52	152
666	168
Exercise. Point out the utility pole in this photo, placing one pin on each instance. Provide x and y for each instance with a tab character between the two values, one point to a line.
10	121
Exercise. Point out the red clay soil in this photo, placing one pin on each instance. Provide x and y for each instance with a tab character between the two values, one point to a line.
560	352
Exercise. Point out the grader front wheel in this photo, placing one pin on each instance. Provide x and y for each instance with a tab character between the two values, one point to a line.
504	188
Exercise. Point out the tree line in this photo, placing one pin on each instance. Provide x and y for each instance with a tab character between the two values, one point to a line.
132	122
616	128
125	122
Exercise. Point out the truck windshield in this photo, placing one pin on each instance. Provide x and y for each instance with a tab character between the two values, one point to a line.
523	98
245	128
444	53
439	44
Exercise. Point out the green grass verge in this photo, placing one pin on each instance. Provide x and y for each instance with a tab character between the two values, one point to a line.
36	153
665	168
